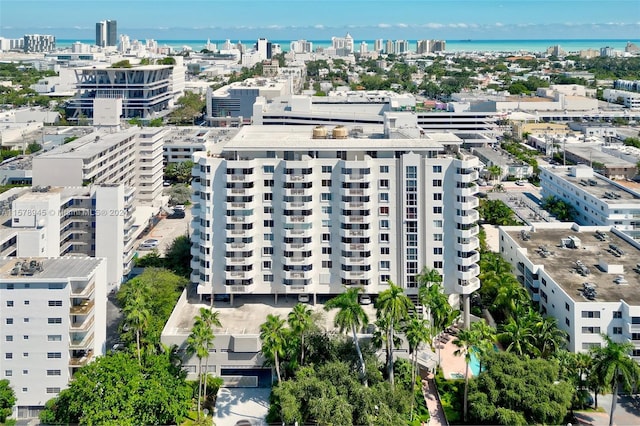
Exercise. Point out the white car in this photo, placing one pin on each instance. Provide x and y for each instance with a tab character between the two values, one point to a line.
303	298
521	182
365	299
148	244
179	207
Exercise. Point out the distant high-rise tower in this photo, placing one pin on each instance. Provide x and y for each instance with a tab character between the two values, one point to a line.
106	33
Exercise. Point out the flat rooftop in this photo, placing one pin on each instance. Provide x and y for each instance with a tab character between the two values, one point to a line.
560	265
602	186
247	314
293	137
52	268
595	155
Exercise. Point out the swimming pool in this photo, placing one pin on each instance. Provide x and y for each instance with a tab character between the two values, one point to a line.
474	365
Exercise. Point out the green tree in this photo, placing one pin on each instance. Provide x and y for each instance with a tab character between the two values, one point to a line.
350	316
559	208
198	343
136	317
518	334
495	172
178	256
417	332
273	335
7	400
496	212
516	391
210	319
116	390
179	194
301	322
549	339
614	366
466	341
392	305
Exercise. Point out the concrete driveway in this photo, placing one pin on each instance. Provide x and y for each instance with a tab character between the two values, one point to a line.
236	404
167	230
627	410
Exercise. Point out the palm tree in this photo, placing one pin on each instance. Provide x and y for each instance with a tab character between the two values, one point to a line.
615	367
198	343
301	321
486	339
495	172
417	332
466	341
210	318
394	306
352	317
510	295
518	334
426	279
549	338
136	317
273	336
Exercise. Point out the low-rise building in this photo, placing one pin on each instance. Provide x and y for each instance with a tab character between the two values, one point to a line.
52	322
585	277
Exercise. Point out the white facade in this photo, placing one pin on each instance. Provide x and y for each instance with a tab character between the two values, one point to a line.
52	322
277	211
598	201
556	283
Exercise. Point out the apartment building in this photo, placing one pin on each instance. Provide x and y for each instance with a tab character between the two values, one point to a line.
146	91
96	221
52	322
106	33
598	201
289	210
131	157
584	276
38	43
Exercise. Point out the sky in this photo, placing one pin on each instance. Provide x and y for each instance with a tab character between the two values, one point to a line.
321	19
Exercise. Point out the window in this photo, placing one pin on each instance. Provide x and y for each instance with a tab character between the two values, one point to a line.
326	169
266	264
9	338
437	209
54	372
268	278
25	319
269	183
384	250
268	237
327	210
268	223
384	169
25	354
384	224
566	306
384	197
54	338
384	211
9	321
25	390
267	251
326	182
437	264
267	210
437	196
411	172
590	330
437	250
268	169
384	238
326	237
54	355
53	390
8	373
617	330
437	169
8	355
267	196
326	250
25	337
384	278
590	314
325	196
384	265
26	302
25	372
327	264
617	314
437	182
384	183
54	320
9	303
567	322
437	224
437	237
55	302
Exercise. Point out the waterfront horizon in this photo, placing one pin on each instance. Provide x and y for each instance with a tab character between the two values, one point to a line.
469	45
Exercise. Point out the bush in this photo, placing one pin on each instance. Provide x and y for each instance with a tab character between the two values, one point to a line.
451	396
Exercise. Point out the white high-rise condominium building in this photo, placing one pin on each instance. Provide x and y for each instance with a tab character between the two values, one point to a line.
343	45
293	210
301	46
378	45
364	48
39	43
52	322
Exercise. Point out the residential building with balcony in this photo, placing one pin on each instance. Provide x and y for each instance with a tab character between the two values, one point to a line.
586	277
289	210
52	322
131	157
597	200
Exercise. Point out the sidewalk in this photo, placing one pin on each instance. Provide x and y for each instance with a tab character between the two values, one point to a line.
433	403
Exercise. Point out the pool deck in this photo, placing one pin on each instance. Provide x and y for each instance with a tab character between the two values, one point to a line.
452	365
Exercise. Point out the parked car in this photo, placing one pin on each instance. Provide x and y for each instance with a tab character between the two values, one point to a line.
521	182
177	214
303	298
365	299
178	207
148	244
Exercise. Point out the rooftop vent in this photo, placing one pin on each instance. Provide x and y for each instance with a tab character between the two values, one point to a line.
26	268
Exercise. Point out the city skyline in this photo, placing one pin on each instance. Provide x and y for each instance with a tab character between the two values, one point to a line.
290	19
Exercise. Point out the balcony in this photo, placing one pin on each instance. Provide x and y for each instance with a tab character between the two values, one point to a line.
81	342
355	233
471	258
467	233
236	191
82	324
355	191
297	275
80	361
239	275
354	177
295	246
240	289
297	289
297	219
469	203
468	286
83	308
467	176
469	217
82	291
468	244
291	192
294	178
355	275
237	178
471	272
238	260
298	231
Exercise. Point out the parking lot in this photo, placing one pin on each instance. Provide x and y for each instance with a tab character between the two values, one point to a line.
167	230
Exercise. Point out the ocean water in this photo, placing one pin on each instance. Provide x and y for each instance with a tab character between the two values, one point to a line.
531	46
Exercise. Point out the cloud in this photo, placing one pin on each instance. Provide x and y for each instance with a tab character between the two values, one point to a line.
433	25
499	24
384	26
402	25
319	27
